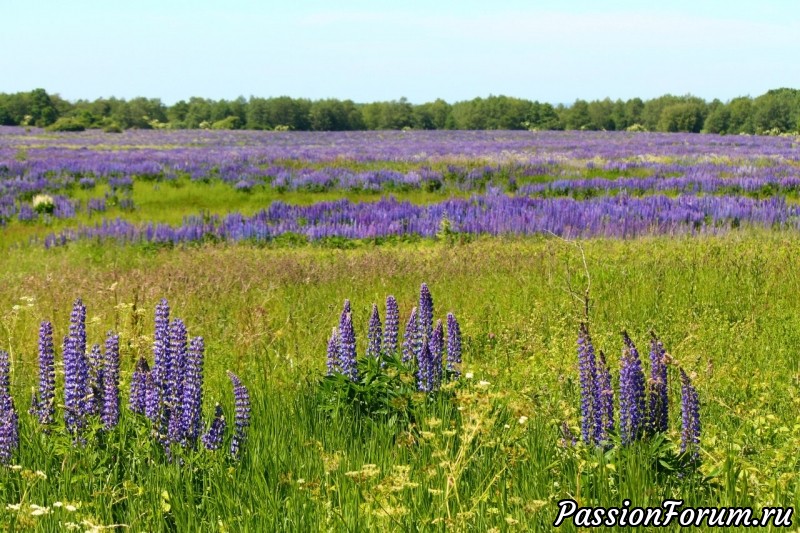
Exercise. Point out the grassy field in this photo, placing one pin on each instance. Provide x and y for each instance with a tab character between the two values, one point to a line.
485	455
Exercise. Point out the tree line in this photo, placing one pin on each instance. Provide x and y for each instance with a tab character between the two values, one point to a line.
777	111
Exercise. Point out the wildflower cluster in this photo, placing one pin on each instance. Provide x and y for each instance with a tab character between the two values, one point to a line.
643	403
422	351
169	395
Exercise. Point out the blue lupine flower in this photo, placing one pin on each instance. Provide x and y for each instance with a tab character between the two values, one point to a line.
192	404
347	348
411	339
242	414
9	420
392	327
425	312
110	410
212	439
333	353
690	418
631	393
374	334
45	408
588	380
657	416
138	396
453	347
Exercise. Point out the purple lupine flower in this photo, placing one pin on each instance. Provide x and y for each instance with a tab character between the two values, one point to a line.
242	416
411	338
151	398
347	349
690	418
453	347
374	334
173	398
437	352
161	348
657	415
606	408
392	327
192	404
425	312
425	372
588	378
76	373
631	393
109	413
45	408
212	439
333	353
138	396
94	402
9	420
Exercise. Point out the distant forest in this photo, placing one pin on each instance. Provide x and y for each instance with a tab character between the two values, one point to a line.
776	112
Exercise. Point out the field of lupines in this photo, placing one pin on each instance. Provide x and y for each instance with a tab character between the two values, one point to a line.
477	400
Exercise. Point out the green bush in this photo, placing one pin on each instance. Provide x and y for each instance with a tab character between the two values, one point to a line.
66	124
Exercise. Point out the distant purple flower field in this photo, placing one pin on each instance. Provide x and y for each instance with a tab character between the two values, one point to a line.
617	184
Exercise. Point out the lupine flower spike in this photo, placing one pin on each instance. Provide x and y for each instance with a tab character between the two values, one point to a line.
333	353
242	415
9	420
631	393
410	339
589	389
453	347
138	396
76	373
392	328
44	408
374	334
690	418
657	415
110	408
212	439
192	402
347	348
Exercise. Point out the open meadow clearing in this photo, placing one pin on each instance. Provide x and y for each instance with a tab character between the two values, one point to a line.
257	239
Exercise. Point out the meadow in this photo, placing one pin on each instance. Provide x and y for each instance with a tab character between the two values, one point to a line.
709	264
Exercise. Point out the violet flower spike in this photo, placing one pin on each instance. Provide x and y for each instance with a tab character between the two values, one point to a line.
138	395
94	401
242	415
347	349
374	334
657	415
392	327
437	353
332	360
425	312
9	420
453	347
212	439
109	414
690	418
588	381
192	404
631	393
45	409
410	337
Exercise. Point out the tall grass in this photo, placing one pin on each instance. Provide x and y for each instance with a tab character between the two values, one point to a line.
725	307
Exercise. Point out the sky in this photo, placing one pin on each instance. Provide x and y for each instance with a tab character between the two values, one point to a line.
546	50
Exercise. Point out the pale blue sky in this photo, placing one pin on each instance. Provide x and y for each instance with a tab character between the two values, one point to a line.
551	51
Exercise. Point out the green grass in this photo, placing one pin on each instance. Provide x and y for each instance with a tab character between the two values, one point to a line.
725	307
